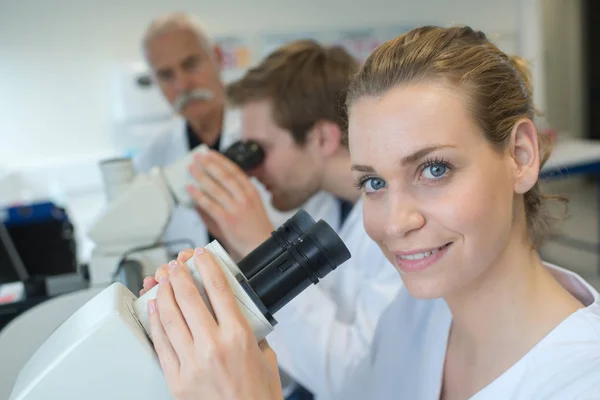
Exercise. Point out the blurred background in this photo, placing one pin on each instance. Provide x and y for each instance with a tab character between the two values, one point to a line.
70	92
74	90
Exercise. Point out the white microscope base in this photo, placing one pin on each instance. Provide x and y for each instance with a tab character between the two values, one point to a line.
127	365
21	338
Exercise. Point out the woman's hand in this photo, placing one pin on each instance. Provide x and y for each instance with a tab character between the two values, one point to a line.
204	358
150	281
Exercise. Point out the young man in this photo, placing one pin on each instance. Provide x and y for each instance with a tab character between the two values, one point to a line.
292	105
187	69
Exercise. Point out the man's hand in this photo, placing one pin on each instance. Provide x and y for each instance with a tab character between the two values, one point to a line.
200	357
229	203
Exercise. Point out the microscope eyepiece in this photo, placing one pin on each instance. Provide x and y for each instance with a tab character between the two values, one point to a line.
280	240
284	272
247	154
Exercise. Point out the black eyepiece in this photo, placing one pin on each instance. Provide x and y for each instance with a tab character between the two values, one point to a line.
247	154
310	257
280	240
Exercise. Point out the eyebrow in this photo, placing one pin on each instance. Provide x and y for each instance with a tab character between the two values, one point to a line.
191	58
185	60
417	155
407	160
362	168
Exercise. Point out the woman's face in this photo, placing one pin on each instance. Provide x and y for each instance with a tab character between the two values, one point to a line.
438	199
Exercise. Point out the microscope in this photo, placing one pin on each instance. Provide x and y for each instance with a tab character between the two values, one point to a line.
127	233
104	350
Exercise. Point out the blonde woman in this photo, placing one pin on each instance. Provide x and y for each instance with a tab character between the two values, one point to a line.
447	157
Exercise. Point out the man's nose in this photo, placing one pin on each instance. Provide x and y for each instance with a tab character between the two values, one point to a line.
183	82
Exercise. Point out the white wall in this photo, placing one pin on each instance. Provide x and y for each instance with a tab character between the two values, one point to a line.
56	55
532	46
56	59
563	65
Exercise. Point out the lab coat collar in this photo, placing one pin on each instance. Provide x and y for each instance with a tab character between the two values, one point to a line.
230	133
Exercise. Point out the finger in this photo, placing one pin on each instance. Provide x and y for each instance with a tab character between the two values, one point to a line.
235	170
184	255
210	223
214	188
160	272
217	288
227	173
148	283
207	204
269	354
222	160
193	308
167	357
172	320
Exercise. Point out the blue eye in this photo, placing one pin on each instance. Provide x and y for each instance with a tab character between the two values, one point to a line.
435	171
373	184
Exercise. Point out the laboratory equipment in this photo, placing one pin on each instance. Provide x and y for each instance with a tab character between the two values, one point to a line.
127	235
103	350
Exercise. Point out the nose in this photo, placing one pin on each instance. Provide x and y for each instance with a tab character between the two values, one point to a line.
183	82
403	216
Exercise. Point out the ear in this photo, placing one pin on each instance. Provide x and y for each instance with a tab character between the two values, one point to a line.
526	155
327	137
218	55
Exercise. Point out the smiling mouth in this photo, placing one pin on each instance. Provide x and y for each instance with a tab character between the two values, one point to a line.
423	255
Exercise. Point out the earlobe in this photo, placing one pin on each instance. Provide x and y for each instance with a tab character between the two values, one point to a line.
526	155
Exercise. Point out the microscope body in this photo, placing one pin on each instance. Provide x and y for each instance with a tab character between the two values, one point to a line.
104	350
129	230
100	352
131	225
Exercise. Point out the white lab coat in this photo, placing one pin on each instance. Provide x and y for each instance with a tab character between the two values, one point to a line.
328	329
407	356
185	223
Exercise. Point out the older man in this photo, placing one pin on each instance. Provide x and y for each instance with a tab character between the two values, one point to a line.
186	67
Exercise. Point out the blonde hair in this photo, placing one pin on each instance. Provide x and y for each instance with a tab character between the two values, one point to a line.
498	87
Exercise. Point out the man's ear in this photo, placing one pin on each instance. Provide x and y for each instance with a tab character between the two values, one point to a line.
525	152
218	55
326	136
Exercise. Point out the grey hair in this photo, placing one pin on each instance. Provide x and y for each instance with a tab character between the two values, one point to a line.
179	20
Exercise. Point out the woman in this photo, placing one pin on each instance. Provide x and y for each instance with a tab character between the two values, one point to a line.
446	154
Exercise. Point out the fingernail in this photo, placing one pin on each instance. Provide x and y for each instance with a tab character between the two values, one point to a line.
199	251
163	279
152	306
173	264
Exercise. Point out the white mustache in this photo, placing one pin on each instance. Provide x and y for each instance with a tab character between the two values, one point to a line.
197	94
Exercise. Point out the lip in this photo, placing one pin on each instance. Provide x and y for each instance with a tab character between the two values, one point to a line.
420	264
